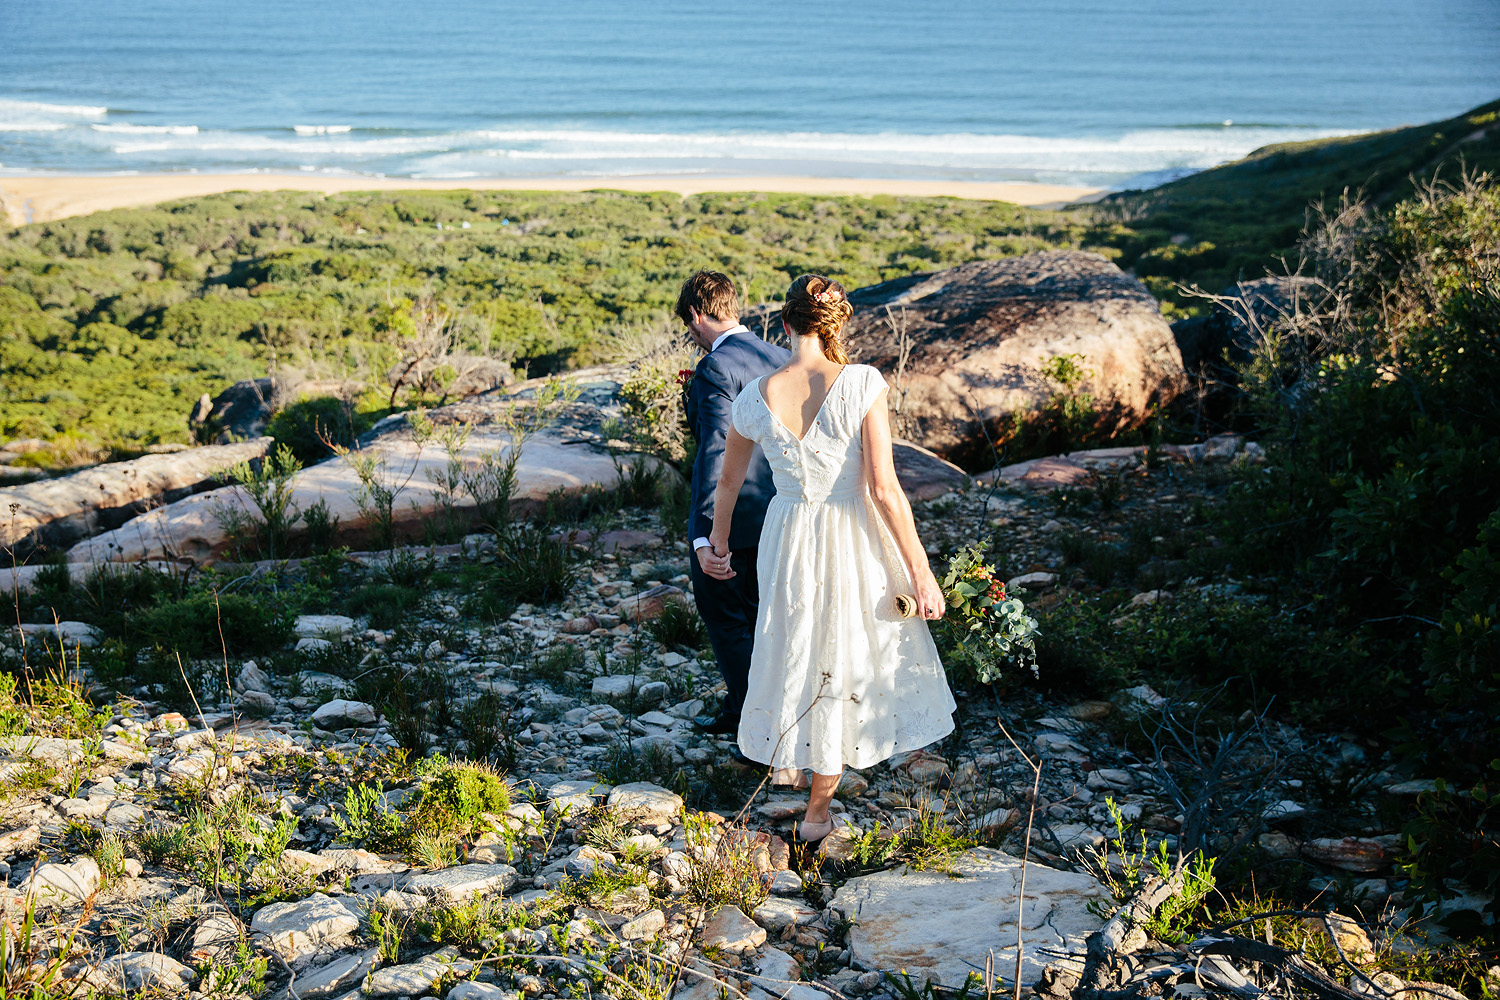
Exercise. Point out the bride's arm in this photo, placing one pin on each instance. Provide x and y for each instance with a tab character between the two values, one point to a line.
890	500
737	452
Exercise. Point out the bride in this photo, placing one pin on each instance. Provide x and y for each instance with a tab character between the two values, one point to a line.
839	677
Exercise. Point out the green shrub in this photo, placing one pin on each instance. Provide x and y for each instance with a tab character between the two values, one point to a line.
455	799
191	626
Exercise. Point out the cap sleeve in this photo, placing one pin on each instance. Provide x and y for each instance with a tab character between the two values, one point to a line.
874	385
742	414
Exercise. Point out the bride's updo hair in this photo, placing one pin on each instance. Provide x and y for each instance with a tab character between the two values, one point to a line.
818	307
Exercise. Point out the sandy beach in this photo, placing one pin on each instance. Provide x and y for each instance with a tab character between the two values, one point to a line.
26	199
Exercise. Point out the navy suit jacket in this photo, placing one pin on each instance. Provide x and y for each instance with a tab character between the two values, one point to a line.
720	376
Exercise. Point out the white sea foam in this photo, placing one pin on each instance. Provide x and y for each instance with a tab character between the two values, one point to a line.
128	129
31	126
41	109
322	129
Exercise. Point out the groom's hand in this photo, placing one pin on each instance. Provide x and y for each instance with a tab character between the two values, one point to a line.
715	564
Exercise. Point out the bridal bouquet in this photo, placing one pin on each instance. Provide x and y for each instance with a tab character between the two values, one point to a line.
995	625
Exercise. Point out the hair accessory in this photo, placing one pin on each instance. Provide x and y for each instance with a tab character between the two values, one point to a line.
827	295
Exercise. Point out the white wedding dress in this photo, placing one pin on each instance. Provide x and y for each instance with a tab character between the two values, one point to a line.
837	678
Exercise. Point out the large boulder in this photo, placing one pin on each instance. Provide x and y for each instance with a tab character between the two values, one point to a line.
567	455
239	412
941	926
980	334
55	513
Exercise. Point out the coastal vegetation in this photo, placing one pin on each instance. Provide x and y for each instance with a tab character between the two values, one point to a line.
1321	615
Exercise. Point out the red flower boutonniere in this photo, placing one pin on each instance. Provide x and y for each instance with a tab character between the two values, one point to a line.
684	376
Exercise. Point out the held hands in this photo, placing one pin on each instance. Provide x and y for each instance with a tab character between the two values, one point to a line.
714	560
930	601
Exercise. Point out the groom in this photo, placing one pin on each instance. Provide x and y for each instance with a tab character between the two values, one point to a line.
736	357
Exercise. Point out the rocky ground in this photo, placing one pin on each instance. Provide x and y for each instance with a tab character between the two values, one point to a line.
285	841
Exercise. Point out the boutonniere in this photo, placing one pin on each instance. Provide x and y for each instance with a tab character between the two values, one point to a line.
684	376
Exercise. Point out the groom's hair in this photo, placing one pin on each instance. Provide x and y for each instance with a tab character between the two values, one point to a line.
708	293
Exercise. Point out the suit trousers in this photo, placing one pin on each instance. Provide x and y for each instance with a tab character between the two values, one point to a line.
728	609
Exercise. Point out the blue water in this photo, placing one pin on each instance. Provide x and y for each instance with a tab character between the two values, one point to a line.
1061	91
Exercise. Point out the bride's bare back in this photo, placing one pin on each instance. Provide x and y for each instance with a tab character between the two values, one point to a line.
796	393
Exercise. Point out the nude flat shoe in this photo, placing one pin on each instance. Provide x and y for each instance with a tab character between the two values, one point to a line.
813	833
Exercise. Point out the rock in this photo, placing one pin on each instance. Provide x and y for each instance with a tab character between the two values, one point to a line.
618	687
997	821
57	513
305	863
777	914
1111	779
458	885
1077	836
413	980
1350	936
785	883
1091	711
241	411
341	714
65	883
298	929
1411	789
1351	854
554	459
258	701
981	333
935	923
1030	581
648	605
480	991
215	936
145	970
337	978
730	930
643	799
252	678
924	474
65	635
582	625
324	626
1279	845
647	925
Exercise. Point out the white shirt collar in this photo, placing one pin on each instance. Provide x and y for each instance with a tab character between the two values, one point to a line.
742	328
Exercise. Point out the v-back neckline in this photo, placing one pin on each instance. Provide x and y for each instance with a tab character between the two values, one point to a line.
760	387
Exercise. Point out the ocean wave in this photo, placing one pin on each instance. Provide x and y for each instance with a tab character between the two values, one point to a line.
31	126
322	129
127	129
10	107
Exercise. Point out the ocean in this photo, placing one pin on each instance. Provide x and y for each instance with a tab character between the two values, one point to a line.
1111	94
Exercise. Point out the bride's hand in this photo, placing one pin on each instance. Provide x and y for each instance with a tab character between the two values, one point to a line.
714	559
931	604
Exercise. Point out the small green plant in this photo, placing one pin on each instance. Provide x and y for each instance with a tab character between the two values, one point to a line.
721	865
474	927
33	960
679	627
268	484
456	799
109	855
387	931
161	845
367	821
242	974
1137	863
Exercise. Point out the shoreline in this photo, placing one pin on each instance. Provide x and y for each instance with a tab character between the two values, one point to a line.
26	198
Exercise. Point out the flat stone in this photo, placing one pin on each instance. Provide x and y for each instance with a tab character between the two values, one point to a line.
936	923
647	925
298	929
730	930
337	978
481	991
777	914
458	884
342	714
1110	779
311	644
413	980
1413	788
324	626
1077	836
621	687
1091	711
145	970
1031	581
644	798
70	634
650	604
786	883
125	814
215	937
1351	854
